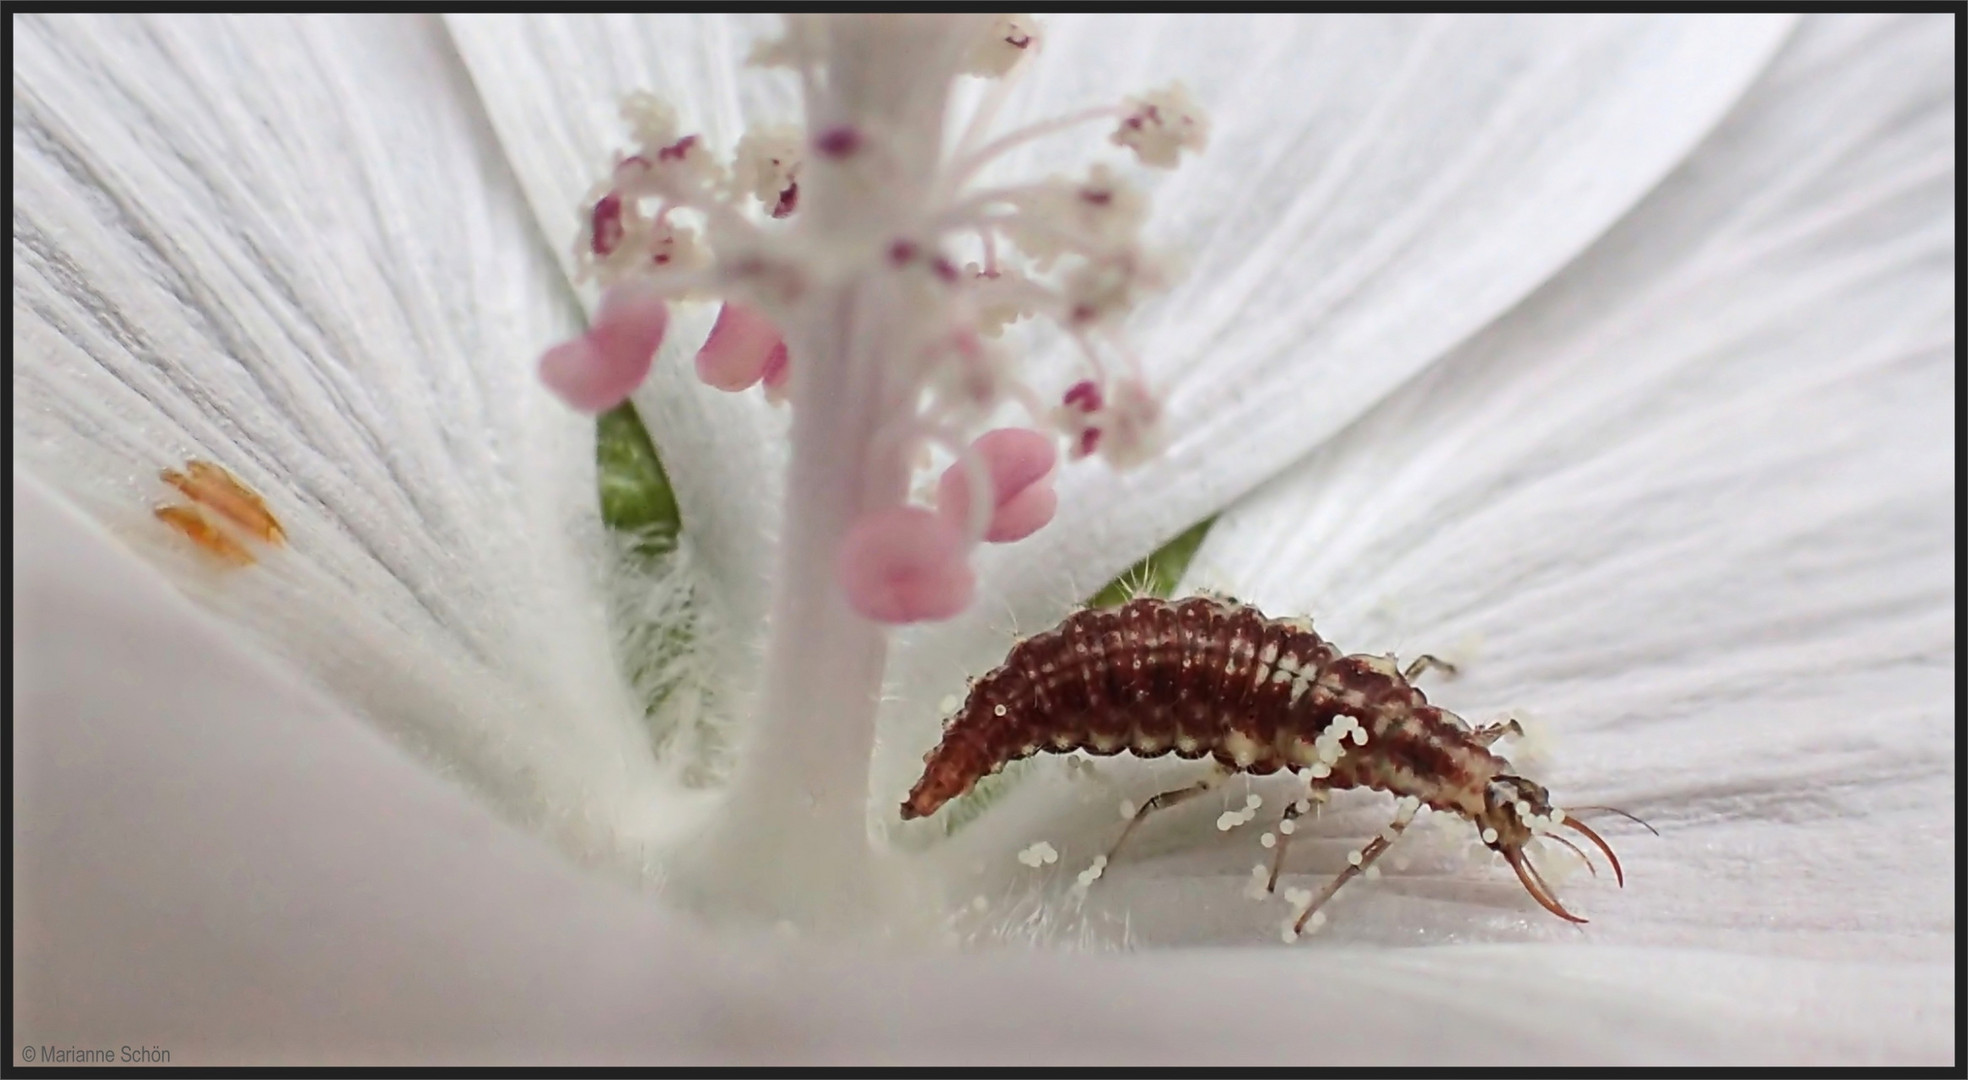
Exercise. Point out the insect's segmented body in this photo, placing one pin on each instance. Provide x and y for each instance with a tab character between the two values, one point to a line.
1204	677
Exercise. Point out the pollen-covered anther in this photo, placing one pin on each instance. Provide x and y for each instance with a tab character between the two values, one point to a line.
1161	124
766	167
1101	214
1005	42
621	240
651	121
1129	428
667	161
1106	290
999	297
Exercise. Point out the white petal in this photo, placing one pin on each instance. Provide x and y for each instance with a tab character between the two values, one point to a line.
211	859
286	246
1692	507
1377	190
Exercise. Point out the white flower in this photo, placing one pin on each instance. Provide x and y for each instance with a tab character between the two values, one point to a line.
1615	354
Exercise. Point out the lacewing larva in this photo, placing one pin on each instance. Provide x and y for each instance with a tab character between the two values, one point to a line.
223	514
1210	677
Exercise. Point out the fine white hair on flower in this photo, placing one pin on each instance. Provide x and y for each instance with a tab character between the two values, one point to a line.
1622	342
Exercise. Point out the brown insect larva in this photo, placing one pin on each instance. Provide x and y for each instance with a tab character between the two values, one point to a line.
222	510
1208	677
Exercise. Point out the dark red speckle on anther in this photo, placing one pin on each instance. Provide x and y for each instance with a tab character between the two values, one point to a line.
605	225
901	253
1084	396
677	150
944	269
788	201
837	142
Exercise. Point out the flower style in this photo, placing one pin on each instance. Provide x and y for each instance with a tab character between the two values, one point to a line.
1611	356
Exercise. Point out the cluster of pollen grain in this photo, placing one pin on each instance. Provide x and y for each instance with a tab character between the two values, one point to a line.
224	518
1330	746
953	261
1230	819
1038	854
1091	874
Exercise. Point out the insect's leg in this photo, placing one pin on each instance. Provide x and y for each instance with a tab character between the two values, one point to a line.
1167	799
1424	662
1368	854
1317	795
1490	733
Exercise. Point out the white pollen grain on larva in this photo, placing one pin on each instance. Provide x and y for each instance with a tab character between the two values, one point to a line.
1127	809
1252	802
1269	840
998	710
1288	827
1354	857
1489	836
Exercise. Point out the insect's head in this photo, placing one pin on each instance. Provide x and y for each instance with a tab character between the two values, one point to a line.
1514	811
949	774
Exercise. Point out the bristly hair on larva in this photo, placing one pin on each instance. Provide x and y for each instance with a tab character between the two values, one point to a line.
1207	676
